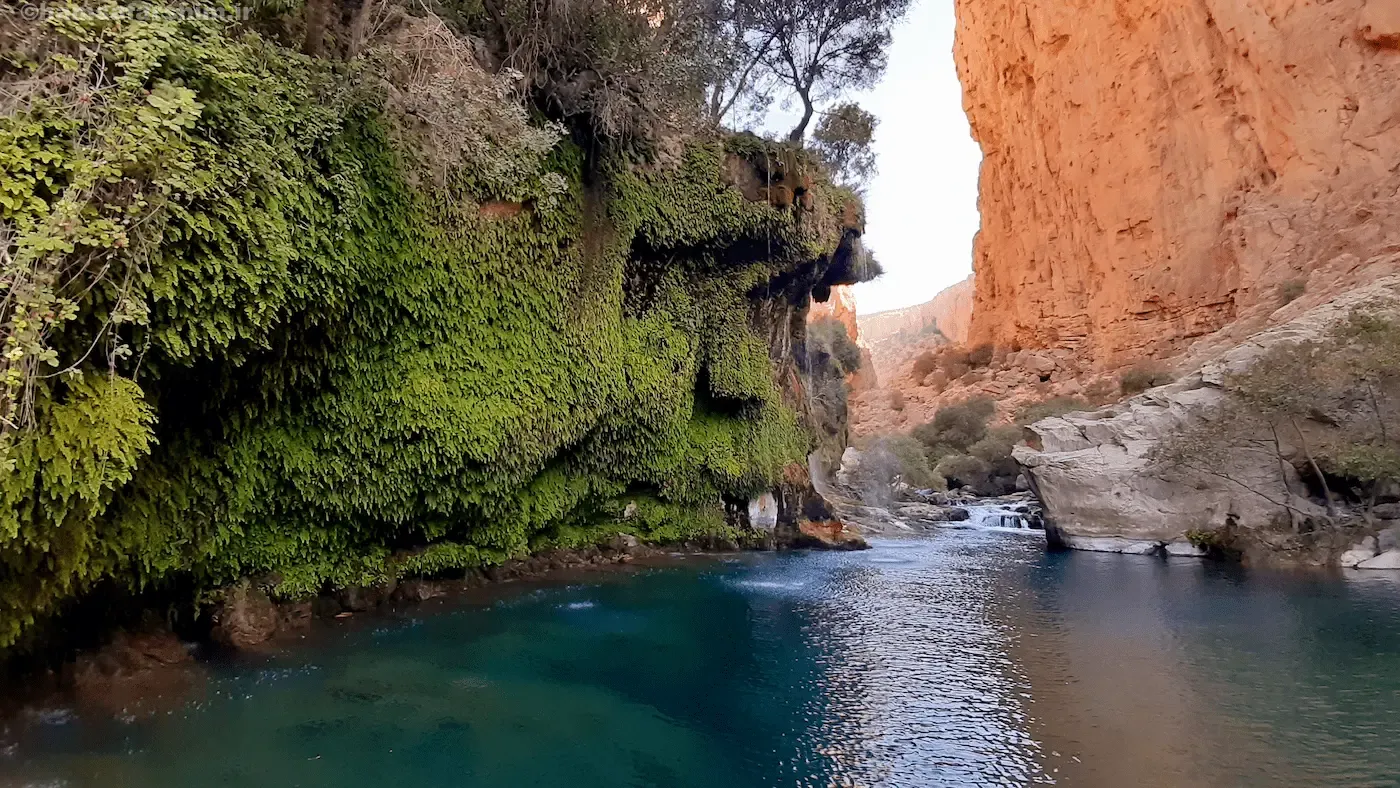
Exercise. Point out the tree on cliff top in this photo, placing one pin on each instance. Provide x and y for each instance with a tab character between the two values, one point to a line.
822	47
843	140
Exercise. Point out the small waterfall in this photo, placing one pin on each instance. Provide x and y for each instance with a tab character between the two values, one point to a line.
996	517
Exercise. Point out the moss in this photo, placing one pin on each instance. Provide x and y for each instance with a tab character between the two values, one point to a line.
341	375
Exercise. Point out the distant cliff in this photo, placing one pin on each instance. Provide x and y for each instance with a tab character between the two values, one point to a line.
1155	172
894	340
895	336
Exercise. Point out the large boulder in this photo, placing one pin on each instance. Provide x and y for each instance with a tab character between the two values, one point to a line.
1094	474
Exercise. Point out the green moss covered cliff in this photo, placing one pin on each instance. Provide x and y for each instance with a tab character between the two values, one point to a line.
330	322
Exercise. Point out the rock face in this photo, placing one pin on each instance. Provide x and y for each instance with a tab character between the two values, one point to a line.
841	307
1093	472
1156	171
895	339
950	311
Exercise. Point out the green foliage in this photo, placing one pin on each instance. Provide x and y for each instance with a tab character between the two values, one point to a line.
964	470
888	459
336	370
995	447
842	139
955	428
61	479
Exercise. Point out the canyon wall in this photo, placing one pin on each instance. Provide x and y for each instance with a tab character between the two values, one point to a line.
1157	171
950	311
841	307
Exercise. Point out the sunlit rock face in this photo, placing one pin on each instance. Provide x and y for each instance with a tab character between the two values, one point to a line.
840	307
1155	172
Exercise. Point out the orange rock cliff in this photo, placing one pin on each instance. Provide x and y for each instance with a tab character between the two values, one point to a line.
1156	171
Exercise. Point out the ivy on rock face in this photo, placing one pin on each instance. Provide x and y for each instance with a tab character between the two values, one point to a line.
338	371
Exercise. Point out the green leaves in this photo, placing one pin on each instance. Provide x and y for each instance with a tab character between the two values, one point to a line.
288	356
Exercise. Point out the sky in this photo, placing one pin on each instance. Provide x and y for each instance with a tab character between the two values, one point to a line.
921	207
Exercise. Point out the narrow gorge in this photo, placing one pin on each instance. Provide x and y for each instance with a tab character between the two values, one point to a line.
484	393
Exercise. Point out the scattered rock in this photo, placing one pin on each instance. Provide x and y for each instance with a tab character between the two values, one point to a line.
1387	511
930	512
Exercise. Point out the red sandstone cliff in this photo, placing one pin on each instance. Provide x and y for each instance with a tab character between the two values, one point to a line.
895	337
1156	171
840	307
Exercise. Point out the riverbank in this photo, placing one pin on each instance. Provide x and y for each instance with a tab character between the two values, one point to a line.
155	659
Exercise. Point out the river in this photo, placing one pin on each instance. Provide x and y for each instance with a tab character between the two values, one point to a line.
970	657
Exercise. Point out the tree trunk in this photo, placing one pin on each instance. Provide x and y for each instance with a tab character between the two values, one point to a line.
316	18
1293	519
1326	490
800	133
359	29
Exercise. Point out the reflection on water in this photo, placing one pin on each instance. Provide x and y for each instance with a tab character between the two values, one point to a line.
970	658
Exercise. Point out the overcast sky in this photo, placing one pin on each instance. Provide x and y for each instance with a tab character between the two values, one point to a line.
922	206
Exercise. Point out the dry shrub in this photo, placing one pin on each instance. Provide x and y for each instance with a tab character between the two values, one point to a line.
1142	376
981	355
455	112
925	363
1291	291
897	400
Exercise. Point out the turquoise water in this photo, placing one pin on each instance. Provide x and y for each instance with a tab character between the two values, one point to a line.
969	658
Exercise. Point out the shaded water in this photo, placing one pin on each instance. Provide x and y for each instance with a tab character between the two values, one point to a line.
968	658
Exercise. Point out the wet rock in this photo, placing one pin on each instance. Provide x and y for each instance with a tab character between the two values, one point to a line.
246	617
1387	560
624	543
296	615
1183	550
1364	550
930	512
129	655
829	535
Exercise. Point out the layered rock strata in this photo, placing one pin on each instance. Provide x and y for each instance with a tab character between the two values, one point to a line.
1157	172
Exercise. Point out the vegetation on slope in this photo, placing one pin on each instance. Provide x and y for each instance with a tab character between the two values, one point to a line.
261	318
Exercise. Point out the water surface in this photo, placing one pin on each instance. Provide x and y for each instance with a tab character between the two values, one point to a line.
969	658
